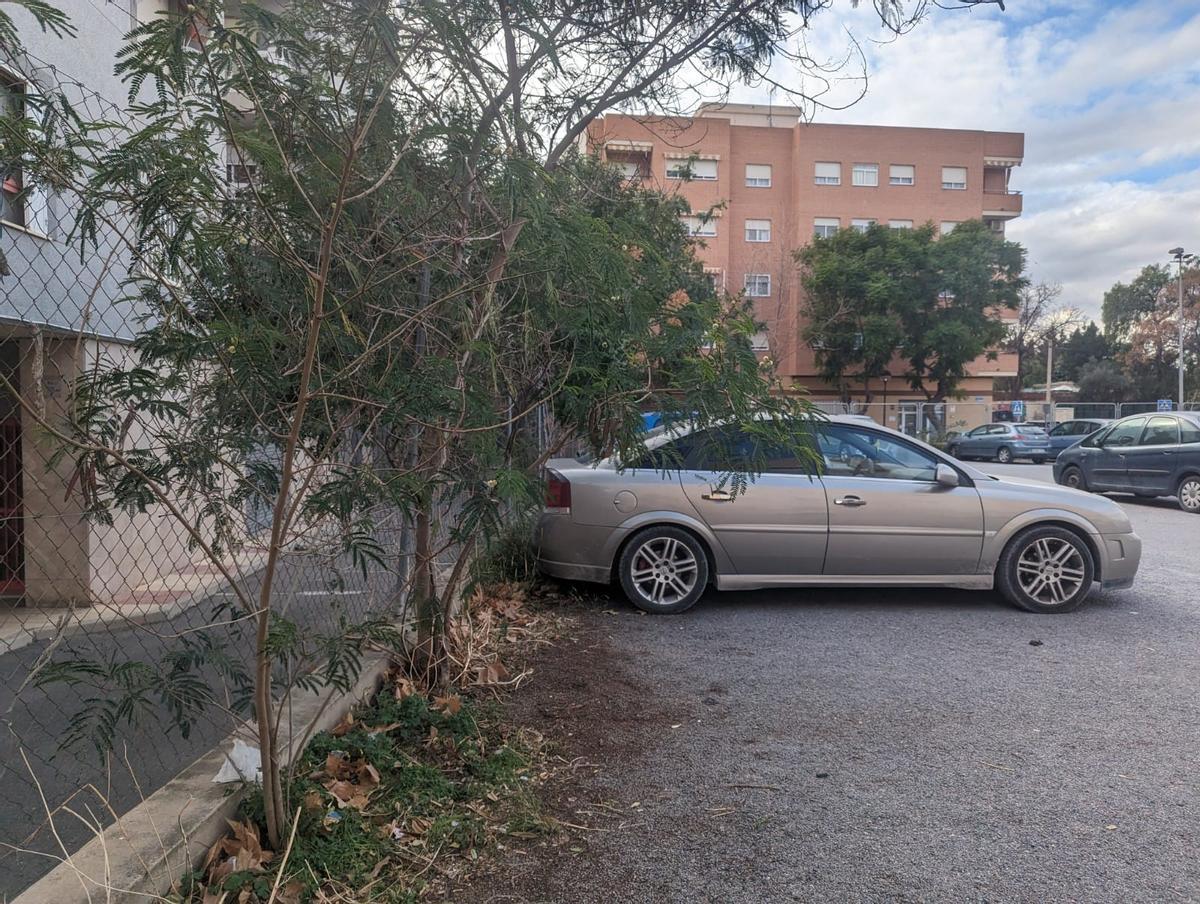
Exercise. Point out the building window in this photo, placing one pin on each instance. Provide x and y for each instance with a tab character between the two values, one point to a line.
760	343
866	174
239	172
954	177
715	277
902	174
758	285
947	226
758	175
900	224
695	170
22	203
825	227
758	230
861	225
828	174
705	227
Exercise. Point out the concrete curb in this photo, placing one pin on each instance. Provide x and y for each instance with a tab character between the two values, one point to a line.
148	848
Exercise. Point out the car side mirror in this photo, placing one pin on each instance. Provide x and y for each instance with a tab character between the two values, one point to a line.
946	476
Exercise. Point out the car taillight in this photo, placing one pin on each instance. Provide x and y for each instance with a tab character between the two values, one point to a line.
558	493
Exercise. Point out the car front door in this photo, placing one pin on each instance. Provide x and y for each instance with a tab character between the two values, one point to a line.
1104	464
776	524
887	513
974	442
1151	462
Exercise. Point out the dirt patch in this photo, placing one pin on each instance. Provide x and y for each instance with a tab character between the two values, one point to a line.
600	716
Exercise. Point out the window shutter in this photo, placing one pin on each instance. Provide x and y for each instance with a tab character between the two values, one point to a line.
902	174
758	175
954	177
829	173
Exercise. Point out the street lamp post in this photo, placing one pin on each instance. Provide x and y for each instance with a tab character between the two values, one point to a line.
885	376
1177	253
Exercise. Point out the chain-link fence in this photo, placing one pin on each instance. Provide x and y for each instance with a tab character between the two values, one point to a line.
102	608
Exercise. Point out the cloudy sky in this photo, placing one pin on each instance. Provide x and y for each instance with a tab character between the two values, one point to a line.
1107	94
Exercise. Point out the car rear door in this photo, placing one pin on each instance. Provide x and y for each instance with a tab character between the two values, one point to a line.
887	513
1151	462
776	524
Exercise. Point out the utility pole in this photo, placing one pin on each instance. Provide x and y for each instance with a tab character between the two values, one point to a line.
1049	375
1177	253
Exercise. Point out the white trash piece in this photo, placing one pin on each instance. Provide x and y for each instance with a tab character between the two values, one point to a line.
242	764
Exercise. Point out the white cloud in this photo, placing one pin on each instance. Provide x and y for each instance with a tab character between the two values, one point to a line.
1108	97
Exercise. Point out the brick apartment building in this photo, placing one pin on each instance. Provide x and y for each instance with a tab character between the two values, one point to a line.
779	181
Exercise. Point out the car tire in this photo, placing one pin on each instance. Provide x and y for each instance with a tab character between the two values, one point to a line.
663	570
1046	570
1073	477
1004	455
1039	461
1188	494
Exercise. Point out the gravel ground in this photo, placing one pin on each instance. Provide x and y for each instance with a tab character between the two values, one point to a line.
867	745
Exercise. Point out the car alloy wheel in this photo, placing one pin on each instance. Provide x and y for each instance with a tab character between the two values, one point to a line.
1046	569
663	569
1004	455
1050	570
1189	495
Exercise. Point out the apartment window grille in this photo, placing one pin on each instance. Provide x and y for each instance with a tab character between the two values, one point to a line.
22	202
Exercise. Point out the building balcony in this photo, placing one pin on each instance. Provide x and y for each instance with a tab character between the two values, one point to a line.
1002	205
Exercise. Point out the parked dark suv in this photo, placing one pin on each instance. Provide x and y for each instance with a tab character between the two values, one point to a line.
1147	454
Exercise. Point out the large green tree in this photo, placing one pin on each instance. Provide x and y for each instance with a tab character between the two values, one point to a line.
418	265
885	296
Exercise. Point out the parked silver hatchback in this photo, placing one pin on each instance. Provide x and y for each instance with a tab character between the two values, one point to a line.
884	509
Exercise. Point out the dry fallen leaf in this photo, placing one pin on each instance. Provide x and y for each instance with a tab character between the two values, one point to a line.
404	688
344	726
493	673
449	704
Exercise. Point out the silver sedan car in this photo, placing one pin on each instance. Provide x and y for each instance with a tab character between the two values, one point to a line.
885	510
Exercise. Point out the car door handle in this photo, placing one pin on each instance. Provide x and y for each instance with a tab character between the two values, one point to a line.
717	496
850	501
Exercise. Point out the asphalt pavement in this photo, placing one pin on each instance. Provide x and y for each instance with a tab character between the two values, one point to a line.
887	745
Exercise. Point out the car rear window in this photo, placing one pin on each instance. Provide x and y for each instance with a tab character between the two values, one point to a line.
1031	429
1189	431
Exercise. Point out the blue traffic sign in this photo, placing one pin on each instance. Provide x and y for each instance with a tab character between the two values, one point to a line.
1018	410
1166	405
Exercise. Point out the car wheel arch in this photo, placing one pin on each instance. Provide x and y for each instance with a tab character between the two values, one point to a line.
1188	474
685	524
1048	518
